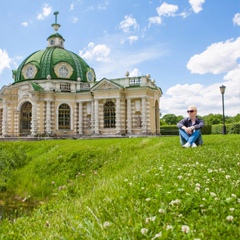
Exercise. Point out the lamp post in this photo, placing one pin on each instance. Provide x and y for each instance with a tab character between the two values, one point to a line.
222	90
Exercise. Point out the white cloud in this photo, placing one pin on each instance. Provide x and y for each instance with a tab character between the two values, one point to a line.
218	58
167	9
135	72
132	39
196	5
236	19
74	19
154	20
72	5
45	12
25	24
103	6
4	60
98	53
128	23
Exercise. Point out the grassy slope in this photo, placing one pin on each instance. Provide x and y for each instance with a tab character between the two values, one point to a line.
114	188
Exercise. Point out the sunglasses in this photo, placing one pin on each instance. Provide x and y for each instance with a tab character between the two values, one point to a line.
190	111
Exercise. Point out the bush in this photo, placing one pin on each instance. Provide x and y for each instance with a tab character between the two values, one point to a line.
169	130
207	129
232	128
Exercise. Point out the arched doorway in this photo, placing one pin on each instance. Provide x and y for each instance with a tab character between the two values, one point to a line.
26	118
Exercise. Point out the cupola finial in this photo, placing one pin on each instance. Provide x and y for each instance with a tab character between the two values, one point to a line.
55	25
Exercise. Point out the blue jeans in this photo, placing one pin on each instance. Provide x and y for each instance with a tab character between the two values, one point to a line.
195	137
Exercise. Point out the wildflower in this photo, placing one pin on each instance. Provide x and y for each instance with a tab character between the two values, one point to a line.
198	185
130	184
206	189
169	227
180	177
213	194
231	209
229	218
197	188
201	205
204	199
106	224
227	176
53	182
144	230
238	200
126	180
158	235
174	202
161	210
47	224
233	195
185	228
142	188
150	219
148	199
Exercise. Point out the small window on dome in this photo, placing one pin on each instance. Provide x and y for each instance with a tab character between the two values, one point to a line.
63	71
52	42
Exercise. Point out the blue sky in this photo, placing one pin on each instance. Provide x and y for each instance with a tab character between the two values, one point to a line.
190	47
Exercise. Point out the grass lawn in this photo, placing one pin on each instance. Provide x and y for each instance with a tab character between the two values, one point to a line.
133	188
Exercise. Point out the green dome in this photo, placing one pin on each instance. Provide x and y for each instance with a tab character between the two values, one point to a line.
48	62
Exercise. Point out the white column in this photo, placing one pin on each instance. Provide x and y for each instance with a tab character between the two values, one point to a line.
80	117
34	119
48	117
129	117
144	120
96	127
118	116
4	123
92	117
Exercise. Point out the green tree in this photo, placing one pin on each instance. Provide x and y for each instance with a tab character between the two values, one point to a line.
170	119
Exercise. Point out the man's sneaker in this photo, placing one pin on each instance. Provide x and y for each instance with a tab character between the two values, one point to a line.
194	145
186	145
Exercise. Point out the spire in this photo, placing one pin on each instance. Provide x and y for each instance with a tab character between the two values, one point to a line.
55	25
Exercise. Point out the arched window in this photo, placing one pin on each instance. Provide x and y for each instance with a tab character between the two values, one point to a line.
26	117
109	115
64	116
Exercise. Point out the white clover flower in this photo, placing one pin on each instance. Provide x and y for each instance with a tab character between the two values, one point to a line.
204	199
233	195
142	188
169	227
180	177
230	218
216	198
106	224
185	228
206	189
238	200
197	239
228	199
213	194
130	184
148	199
158	235
210	170
231	209
197	188
227	176
144	230
201	205
161	210
150	219
174	202
126	180
198	185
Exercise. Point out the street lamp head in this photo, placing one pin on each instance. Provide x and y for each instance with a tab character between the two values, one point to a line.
222	89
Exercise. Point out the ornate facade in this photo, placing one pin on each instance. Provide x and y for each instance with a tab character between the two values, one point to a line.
55	93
